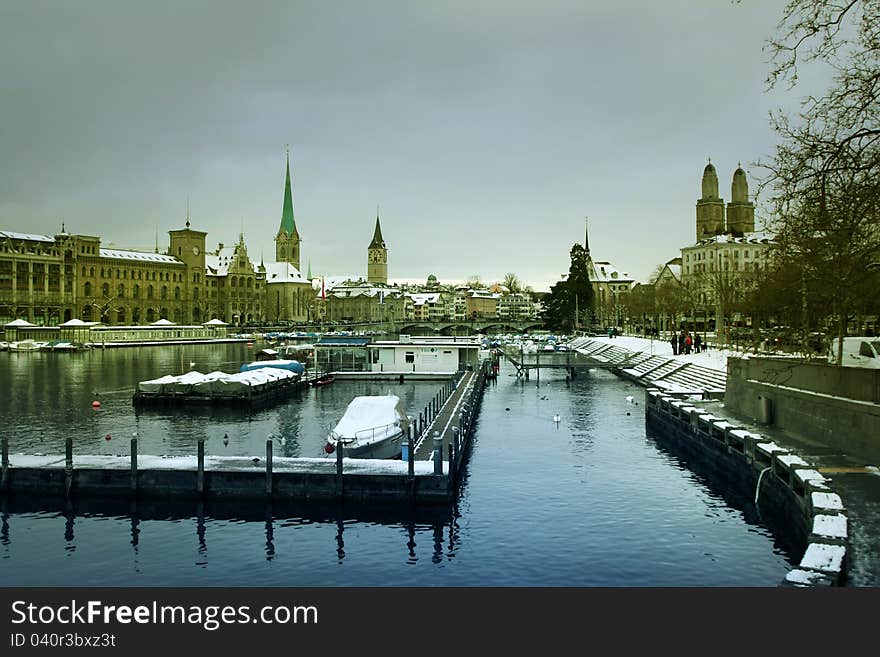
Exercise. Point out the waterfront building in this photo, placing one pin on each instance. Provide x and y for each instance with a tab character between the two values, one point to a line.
363	301
51	280
236	287
427	306
516	306
481	304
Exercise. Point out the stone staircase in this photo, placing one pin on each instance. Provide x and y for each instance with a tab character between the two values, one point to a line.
664	372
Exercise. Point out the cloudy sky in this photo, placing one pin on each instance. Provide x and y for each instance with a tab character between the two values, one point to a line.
486	131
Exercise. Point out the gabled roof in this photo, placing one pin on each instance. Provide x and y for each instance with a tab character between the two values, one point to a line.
604	272
283	272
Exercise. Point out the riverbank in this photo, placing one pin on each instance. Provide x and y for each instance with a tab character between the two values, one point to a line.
857	483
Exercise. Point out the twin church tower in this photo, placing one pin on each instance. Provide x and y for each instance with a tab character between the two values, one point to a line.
711	218
287	241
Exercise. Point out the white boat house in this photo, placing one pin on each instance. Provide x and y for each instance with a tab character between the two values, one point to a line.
443	355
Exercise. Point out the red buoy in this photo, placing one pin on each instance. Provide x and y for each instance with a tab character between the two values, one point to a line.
329	448
96	404
108	437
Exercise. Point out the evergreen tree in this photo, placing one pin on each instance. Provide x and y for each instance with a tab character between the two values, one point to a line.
570	302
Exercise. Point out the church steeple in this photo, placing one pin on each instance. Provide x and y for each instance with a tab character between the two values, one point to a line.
287	240
377	256
710	206
288	222
378	242
586	236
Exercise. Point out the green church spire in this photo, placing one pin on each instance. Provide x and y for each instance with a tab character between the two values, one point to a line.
309	274
288	223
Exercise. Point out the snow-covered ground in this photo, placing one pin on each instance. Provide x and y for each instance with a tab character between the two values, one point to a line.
712	358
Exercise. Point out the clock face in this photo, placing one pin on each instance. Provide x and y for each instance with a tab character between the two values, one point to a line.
196	250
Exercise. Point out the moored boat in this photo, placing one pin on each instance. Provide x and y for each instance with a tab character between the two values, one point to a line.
323	380
373	427
25	345
290	365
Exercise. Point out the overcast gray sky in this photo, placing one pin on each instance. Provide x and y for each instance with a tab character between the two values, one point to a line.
485	130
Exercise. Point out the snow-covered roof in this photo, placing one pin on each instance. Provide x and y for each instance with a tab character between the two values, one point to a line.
25	236
605	272
215	322
283	272
162	322
756	237
138	255
218	263
20	322
421	298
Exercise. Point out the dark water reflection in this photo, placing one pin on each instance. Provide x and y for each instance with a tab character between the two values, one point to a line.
589	500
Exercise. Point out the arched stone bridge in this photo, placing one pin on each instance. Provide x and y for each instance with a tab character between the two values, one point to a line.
488	326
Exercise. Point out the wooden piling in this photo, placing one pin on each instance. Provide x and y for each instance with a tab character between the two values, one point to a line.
4	474
68	465
269	467
411	456
133	485
200	473
452	468
438	453
339	448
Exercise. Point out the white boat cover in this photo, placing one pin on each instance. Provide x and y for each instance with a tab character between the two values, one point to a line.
370	419
216	383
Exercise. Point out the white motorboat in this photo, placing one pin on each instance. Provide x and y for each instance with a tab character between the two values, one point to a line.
25	345
373	427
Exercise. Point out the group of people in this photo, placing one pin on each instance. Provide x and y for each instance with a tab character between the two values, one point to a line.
685	343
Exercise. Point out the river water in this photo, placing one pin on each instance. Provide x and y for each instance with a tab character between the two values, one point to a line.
590	500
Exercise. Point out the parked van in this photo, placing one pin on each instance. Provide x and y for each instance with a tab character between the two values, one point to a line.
857	352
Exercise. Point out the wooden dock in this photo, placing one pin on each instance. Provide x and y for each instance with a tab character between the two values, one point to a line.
432	478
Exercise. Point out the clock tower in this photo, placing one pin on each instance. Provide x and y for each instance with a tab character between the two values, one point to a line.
377	257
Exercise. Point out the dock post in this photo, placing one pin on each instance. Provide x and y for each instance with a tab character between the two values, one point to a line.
269	467
410	455
339	448
68	465
4	478
452	469
421	425
438	453
134	465
200	474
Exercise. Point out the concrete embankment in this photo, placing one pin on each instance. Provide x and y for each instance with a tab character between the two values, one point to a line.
790	494
796	500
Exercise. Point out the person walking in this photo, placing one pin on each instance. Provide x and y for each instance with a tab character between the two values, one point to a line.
674	342
688	342
698	343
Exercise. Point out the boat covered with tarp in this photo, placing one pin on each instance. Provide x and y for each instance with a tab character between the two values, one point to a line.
372	427
251	385
281	364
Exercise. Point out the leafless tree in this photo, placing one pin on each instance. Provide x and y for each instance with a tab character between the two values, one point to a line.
823	180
